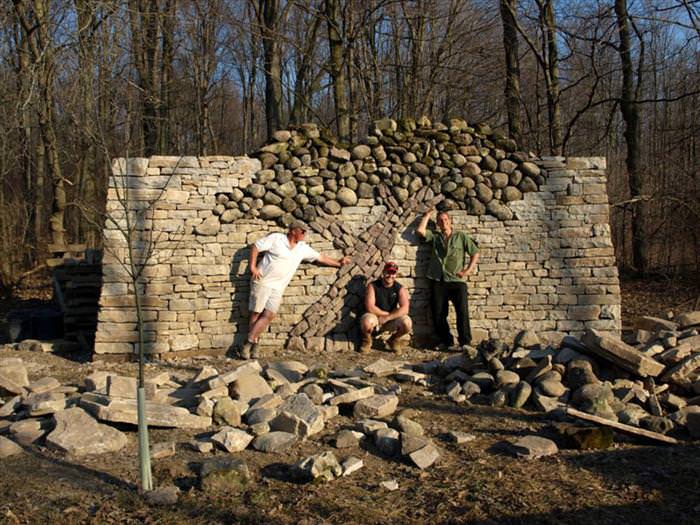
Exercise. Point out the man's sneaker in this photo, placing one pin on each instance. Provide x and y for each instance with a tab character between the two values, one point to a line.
246	349
454	348
397	344
366	345
255	351
442	347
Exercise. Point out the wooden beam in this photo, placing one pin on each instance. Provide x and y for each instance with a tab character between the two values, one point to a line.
621	427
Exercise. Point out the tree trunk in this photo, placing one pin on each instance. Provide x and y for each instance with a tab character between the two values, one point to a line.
630	114
268	18
335	42
512	86
553	90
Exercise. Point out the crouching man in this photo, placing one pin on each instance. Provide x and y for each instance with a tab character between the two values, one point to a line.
386	305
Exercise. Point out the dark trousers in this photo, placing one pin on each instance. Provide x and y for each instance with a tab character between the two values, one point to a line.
441	294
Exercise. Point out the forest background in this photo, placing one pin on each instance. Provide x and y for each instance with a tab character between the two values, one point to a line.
84	81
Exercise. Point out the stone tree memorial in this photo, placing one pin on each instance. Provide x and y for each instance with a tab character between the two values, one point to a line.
542	224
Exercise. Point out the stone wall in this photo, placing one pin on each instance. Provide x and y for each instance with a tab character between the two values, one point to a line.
549	268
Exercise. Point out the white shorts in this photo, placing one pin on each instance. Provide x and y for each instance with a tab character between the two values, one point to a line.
264	298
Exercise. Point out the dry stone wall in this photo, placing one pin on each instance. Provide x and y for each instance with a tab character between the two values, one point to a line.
550	268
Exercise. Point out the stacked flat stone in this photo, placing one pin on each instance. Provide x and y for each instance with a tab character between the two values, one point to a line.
306	173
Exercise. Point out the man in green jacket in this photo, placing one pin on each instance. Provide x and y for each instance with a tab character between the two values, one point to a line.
447	273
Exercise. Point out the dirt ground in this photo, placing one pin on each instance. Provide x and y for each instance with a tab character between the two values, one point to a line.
479	482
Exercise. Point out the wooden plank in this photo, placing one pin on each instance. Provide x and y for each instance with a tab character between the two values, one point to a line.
621	426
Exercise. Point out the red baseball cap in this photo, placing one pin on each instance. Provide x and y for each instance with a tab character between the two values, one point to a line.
391	267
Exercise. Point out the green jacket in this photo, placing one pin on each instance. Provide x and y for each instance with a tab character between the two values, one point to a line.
446	261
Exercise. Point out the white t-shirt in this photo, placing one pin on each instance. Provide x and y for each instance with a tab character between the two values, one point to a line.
280	262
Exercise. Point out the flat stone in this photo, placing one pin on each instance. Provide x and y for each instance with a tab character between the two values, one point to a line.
407	426
10	406
13	379
410	443
329	412
456	436
298	415
376	406
654	324
28	431
226	412
232	439
77	433
681	374
226	475
202	446
387	441
9	448
46	403
689	319
45	384
527	339
163	450
121	386
323	465
390	485
382	368
424	457
205	408
352	396
621	354
545	403
157	414
370	426
351	464
273	442
249	367
163	496
532	447
410	376
249	387
314	393
97	381
348	438
269	401
260	415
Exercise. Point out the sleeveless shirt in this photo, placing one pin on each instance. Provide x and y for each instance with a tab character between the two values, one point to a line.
386	298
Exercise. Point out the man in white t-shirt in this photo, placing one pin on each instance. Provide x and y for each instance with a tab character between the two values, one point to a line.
283	253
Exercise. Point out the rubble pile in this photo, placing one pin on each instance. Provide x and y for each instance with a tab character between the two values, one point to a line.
651	382
267	409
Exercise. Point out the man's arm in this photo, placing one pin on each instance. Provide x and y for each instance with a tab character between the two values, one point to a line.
371	302
473	260
423	225
253	264
330	261
401	308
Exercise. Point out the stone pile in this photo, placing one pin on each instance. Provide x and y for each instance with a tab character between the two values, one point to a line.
307	172
653	383
268	409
